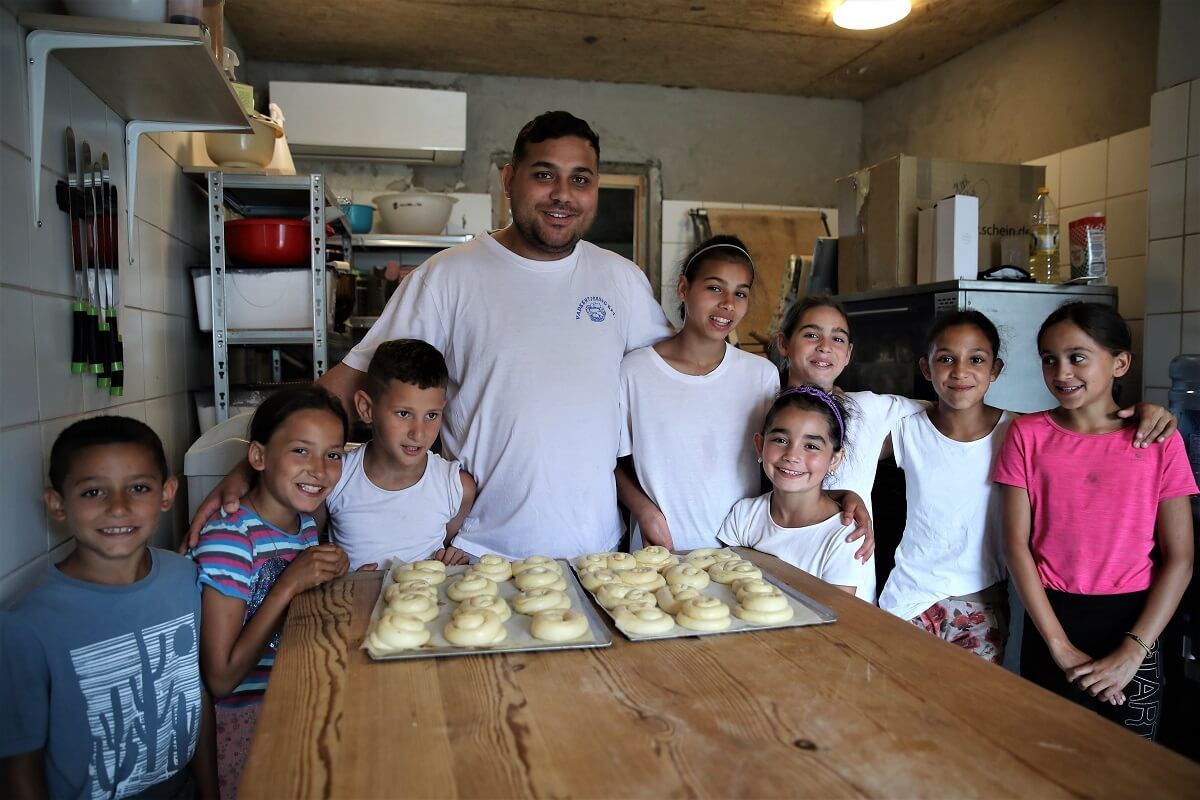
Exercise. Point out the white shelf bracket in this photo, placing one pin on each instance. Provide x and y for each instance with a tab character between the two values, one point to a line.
133	132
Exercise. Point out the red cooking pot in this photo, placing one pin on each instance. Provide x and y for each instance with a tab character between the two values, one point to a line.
268	242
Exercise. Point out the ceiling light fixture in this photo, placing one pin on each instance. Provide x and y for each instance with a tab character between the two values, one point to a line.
865	15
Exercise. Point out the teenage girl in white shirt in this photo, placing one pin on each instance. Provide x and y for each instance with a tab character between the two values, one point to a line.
690	404
949	576
802	440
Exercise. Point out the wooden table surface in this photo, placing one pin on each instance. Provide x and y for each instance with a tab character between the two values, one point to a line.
869	706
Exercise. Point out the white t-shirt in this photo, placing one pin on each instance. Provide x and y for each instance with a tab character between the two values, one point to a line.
373	525
692	437
872	417
534	350
953	540
820	550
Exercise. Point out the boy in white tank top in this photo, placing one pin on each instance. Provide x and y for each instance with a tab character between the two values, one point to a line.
396	500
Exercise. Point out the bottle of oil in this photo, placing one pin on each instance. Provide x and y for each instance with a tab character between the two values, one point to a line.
1043	226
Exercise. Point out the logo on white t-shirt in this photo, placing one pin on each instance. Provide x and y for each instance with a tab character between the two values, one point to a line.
596	308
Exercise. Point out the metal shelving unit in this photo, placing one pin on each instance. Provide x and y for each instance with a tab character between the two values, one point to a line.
297	196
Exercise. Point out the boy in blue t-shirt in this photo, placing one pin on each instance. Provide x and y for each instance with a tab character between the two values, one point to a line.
100	692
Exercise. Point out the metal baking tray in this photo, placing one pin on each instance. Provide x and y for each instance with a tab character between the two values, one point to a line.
519	639
807	612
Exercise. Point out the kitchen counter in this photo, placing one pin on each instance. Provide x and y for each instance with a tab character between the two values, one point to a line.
869	706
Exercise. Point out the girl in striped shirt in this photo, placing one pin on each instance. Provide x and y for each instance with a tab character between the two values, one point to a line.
255	560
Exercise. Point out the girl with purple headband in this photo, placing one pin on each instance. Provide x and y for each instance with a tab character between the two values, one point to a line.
802	441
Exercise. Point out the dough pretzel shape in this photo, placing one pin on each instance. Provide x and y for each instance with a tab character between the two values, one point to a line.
415	604
493	567
593	579
558	625
536	561
611	595
621	561
474	628
410	586
748	586
592	560
733	569
703	614
701	557
687	575
432	575
485	602
534	600
764	609
643	620
642	578
636	598
395	632
539	578
669	600
655	556
470	586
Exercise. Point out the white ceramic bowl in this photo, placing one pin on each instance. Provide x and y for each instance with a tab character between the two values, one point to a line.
242	149
415	212
130	10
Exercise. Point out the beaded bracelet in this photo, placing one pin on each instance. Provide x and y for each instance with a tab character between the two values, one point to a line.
1138	639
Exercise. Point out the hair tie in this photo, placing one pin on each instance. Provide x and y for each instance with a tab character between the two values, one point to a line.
703	250
824	397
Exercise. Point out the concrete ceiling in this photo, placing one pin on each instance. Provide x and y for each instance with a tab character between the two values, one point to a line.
766	46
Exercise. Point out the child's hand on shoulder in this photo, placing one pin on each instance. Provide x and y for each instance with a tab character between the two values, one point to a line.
316	565
451	556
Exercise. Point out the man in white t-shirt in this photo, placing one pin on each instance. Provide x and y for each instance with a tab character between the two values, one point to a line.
533	323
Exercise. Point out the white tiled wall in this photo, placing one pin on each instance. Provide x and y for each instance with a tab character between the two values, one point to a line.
1173	229
678	239
39	397
1111	177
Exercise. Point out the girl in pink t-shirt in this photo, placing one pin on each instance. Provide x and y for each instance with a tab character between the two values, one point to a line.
1098	533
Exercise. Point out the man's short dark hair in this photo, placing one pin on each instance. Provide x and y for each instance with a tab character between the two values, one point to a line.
97	431
553	125
408	361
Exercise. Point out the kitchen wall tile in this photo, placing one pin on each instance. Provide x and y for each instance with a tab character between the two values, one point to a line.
1194	120
21	504
1129	162
51	268
59	392
1129	276
1053	165
1169	124
180	294
1165	216
1191	273
155	353
55	532
1191	197
1190	333
1126	225
15	268
471	214
89	119
1068	215
156	177
676	224
1131	384
16	584
672	255
18	385
170	417
14	108
1162	343
177	363
154	249
1164	275
57	116
1083	173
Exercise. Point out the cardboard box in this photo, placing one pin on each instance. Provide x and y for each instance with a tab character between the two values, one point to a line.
956	232
877	214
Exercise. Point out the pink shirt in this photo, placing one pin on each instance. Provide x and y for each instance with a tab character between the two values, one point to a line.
1094	501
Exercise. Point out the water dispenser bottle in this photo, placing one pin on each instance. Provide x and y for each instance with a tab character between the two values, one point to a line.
1184	401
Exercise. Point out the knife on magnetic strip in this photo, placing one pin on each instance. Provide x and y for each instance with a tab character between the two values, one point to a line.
104	378
92	331
79	355
112	256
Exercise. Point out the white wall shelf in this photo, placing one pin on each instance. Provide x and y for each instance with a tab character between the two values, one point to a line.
156	77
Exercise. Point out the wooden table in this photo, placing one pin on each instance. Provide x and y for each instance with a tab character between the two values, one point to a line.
867	707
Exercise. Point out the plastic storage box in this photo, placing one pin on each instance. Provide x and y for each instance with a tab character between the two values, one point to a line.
261	299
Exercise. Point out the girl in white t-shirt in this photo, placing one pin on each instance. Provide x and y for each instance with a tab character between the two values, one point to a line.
815	339
949	576
802	440
690	404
